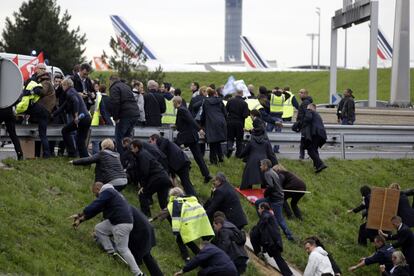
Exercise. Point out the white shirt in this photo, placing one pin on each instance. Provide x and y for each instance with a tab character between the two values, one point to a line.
318	263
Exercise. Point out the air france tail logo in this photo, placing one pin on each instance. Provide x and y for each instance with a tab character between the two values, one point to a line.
251	55
121	27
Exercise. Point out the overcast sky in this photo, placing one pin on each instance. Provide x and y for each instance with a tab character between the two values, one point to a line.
186	31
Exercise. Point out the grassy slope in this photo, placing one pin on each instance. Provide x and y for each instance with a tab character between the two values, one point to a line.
37	196
316	82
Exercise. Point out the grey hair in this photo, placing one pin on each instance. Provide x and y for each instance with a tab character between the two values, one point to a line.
176	191
400	258
152	84
266	162
220	176
68	82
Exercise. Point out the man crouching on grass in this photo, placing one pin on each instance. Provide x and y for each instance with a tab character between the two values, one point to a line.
117	221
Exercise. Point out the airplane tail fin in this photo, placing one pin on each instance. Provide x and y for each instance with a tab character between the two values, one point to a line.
122	27
251	55
384	49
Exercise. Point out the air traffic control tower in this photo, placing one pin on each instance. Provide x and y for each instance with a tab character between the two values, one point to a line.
233	25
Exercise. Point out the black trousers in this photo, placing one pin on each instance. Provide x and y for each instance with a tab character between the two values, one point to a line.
198	157
184	175
293	203
365	233
152	265
235	132
273	252
216	154
82	133
313	152
161	188
7	116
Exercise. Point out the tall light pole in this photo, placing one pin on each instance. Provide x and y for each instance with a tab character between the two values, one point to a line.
312	37
318	12
345	48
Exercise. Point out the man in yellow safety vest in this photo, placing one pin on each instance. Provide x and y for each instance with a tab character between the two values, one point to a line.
276	112
289	105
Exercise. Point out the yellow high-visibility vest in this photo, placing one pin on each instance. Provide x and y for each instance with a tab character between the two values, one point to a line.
97	112
252	104
24	103
288	109
170	113
276	103
192	222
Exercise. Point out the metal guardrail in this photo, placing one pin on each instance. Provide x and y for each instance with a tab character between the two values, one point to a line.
337	135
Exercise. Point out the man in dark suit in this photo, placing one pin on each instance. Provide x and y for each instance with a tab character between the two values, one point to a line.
225	199
124	110
178	161
237	112
405	240
154	104
83	84
314	136
188	135
305	101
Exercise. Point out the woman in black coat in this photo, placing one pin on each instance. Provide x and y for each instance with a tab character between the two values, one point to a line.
142	240
213	120
258	148
400	267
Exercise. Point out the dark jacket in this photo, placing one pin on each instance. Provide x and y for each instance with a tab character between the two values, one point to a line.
401	270
108	165
149	170
77	84
225	199
213	120
177	159
157	153
274	191
186	126
303	107
142	236
313	130
382	257
237	110
212	260
105	110
154	105
266	234
257	148
364	206
122	101
405	211
113	205
195	104
231	240
405	240
346	109
73	104
291	181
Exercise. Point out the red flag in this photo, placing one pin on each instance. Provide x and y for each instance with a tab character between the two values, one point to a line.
28	69
16	60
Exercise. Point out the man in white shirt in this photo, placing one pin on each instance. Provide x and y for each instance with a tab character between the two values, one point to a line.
318	262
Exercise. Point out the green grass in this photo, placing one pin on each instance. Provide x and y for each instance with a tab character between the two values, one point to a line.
316	82
36	197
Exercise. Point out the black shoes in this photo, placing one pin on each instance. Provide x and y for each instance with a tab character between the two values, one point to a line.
320	168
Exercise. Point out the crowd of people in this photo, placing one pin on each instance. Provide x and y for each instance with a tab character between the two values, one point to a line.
160	166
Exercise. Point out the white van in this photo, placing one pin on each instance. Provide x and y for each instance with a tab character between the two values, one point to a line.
23	59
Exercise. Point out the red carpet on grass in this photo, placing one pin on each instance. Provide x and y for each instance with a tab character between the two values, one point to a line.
251	194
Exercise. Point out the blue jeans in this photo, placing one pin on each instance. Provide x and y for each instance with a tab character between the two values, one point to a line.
124	129
277	210
271	127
